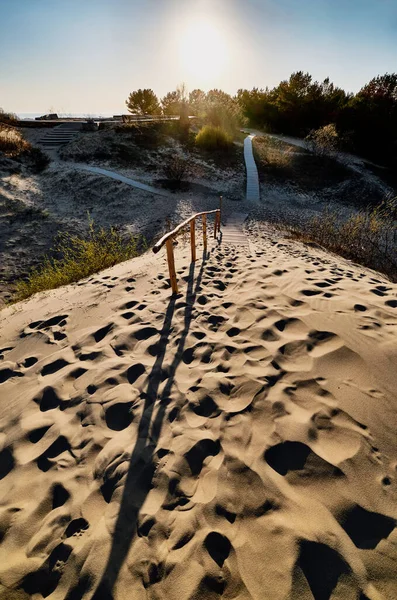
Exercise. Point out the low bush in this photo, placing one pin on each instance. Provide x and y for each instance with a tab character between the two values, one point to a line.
211	137
176	169
76	257
323	141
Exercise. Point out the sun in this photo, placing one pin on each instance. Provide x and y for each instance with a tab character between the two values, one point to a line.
203	52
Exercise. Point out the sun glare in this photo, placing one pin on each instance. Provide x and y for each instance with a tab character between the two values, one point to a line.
203	52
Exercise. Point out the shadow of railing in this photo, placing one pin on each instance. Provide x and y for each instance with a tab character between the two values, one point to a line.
141	467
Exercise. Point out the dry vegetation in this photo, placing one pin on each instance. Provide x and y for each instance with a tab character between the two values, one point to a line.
75	257
151	146
13	145
355	221
11	141
281	162
368	237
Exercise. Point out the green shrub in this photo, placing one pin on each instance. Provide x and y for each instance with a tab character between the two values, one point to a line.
77	258
211	137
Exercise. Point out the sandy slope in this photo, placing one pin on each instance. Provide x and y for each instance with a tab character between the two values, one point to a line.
239	441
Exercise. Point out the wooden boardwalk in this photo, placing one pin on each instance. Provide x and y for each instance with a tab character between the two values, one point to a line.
252	172
123	179
232	232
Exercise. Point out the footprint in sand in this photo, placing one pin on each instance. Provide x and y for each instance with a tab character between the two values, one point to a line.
54	366
58	447
76	528
9	373
100	334
48	399
7	462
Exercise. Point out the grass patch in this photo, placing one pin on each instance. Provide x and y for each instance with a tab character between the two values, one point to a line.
76	257
369	237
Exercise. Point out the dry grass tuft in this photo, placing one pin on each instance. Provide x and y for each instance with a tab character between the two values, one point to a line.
11	141
13	145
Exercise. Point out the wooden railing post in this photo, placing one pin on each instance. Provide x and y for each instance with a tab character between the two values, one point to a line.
205	232
216	224
193	239
171	265
220	212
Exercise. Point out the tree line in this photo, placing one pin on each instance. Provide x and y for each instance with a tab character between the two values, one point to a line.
365	122
216	106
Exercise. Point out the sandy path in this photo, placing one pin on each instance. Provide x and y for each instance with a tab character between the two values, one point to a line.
238	440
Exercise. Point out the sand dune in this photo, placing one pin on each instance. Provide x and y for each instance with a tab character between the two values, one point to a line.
237	441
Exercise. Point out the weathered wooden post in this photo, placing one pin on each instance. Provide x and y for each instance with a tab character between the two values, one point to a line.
171	265
216	224
220	212
205	232
193	239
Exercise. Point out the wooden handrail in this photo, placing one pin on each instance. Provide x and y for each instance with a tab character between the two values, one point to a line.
167	239
157	247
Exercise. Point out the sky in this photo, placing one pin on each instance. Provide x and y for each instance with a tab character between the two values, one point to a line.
76	56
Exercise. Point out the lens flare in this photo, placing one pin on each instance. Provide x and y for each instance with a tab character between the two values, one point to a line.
203	52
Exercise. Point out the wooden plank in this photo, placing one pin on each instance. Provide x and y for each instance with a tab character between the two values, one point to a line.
193	239
171	265
177	229
204	217
216	224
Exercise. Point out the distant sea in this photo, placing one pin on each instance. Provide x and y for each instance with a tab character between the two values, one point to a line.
105	115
